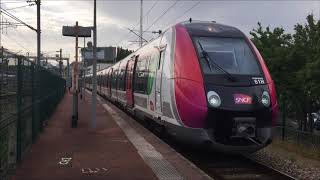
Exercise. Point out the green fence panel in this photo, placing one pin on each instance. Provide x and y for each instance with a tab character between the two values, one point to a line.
28	97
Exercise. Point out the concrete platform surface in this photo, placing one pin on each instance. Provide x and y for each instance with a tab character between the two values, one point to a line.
118	149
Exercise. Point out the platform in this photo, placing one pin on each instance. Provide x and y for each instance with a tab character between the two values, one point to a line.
119	148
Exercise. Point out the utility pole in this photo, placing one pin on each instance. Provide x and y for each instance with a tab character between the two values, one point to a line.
38	32
94	68
36	75
60	62
84	69
0	24
141	23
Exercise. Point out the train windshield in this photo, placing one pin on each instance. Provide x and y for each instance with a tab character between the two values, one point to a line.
233	55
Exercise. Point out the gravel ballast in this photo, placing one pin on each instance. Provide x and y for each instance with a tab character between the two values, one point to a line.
290	163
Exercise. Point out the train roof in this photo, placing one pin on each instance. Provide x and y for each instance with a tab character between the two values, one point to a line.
208	28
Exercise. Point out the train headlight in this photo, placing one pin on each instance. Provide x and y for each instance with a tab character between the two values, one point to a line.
265	99
213	99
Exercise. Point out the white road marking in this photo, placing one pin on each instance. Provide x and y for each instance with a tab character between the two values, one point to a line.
65	161
159	165
93	170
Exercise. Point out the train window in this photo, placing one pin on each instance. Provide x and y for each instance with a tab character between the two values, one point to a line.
154	61
165	40
101	80
141	76
114	79
161	59
121	80
232	54
117	79
124	78
120	77
107	79
104	80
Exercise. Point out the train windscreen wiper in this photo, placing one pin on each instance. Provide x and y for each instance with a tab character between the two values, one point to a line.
208	60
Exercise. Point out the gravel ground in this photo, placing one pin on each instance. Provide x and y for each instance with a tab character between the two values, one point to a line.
288	162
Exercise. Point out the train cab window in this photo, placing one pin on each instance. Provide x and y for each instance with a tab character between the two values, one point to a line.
141	76
232	54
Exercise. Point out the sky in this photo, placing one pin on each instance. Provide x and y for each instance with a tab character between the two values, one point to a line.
115	17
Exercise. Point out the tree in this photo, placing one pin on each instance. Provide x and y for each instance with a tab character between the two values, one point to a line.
294	63
306	53
122	53
275	46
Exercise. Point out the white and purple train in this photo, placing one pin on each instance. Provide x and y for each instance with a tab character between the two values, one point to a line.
205	82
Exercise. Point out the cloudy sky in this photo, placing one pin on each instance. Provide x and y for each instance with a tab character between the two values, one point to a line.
114	17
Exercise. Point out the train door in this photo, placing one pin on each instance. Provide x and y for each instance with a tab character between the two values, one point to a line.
129	81
158	98
124	83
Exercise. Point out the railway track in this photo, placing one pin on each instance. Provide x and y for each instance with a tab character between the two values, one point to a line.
232	167
217	165
221	166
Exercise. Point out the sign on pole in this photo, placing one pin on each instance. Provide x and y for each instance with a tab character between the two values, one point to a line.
71	31
75	31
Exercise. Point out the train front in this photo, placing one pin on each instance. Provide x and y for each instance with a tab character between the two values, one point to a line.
240	99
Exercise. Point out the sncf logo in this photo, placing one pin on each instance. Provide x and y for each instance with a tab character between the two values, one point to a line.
242	99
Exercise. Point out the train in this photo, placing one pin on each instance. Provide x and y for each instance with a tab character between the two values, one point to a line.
204	82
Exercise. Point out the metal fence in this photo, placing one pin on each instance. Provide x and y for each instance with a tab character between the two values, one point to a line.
302	138
288	130
28	96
